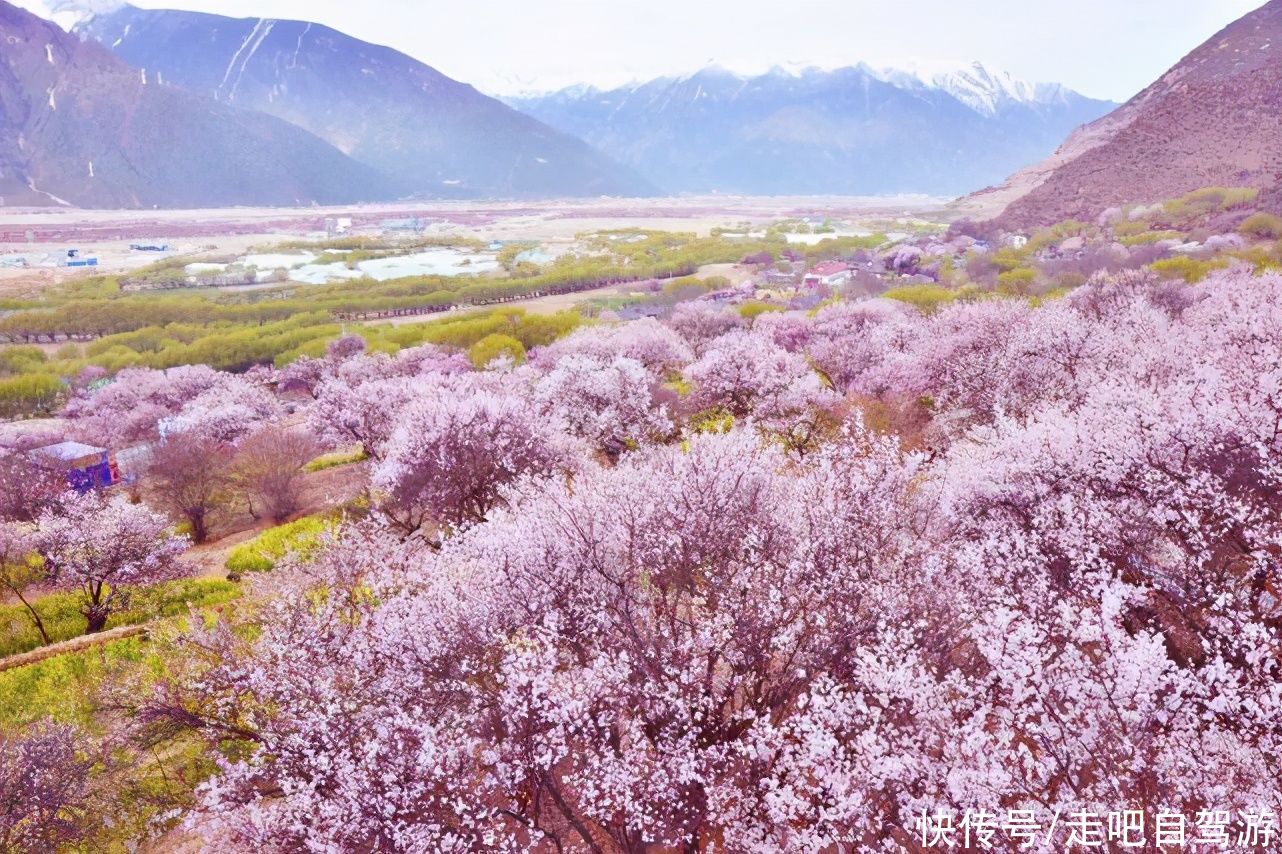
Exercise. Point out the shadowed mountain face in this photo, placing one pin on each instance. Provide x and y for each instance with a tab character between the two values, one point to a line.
1215	119
79	126
433	135
852	130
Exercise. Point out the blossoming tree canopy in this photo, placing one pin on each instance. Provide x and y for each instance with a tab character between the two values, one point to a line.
449	458
102	547
720	640
996	557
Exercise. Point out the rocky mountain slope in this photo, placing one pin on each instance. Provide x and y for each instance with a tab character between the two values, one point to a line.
78	126
852	130
1215	119
433	135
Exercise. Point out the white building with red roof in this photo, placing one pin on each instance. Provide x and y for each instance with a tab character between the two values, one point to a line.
828	273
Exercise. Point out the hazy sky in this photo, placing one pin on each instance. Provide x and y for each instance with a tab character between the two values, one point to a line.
1103	48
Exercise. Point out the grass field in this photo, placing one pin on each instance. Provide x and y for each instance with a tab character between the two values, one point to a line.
60	612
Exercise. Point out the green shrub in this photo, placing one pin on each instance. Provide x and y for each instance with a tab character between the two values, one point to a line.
1190	270
335	460
464	330
750	311
1009	258
687	286
491	347
1145	237
1049	236
302	538
1130	228
926	298
1262	257
1262	226
21	359
1208	200
1017	281
29	394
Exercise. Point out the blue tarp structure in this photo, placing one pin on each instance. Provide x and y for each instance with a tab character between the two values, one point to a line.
86	467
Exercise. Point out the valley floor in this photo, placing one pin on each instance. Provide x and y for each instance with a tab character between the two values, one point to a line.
107	235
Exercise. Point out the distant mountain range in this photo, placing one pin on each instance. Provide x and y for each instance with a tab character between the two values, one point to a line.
142	108
1215	119
430	135
80	127
850	130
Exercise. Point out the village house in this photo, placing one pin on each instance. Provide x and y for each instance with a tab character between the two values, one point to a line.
828	274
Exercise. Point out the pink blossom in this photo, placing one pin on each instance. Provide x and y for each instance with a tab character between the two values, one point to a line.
701	322
102	547
749	376
656	347
607	403
790	330
43	789
450	456
1071	604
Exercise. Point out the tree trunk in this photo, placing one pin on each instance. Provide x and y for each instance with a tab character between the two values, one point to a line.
35	616
199	529
95	619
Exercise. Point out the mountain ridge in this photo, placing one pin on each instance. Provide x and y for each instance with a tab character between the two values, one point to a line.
433	135
1213	119
811	130
79	127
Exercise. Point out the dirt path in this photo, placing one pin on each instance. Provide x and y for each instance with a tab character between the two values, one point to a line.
323	491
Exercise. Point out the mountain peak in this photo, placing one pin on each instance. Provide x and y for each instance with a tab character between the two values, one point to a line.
69	14
798	128
82	127
433	135
985	90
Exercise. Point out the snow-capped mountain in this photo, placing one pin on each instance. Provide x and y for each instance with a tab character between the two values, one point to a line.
798	129
985	90
68	14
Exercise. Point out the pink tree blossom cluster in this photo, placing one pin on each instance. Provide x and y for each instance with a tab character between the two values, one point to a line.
43	789
750	376
228	412
701	322
609	403
104	548
139	403
660	349
358	396
449	457
1071	600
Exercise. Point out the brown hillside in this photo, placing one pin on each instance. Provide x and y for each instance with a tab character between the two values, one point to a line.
79	126
1215	119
